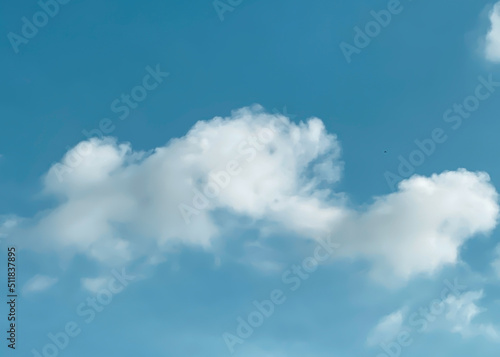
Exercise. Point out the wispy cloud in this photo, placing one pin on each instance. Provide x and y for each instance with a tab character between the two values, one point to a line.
461	313
492	49
39	283
387	328
94	285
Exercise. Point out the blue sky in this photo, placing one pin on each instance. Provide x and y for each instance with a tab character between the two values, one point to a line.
304	147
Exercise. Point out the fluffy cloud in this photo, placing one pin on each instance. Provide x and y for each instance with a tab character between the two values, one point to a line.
421	227
387	329
117	205
493	37
38	283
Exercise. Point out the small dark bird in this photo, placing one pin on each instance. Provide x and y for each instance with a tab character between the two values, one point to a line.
385	151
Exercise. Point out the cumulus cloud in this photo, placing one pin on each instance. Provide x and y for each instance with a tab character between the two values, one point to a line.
421	227
38	283
117	204
492	50
387	329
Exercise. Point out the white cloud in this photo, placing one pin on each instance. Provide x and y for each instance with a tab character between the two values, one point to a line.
421	228
94	285
117	205
492	49
7	223
38	283
461	313
387	329
456	314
